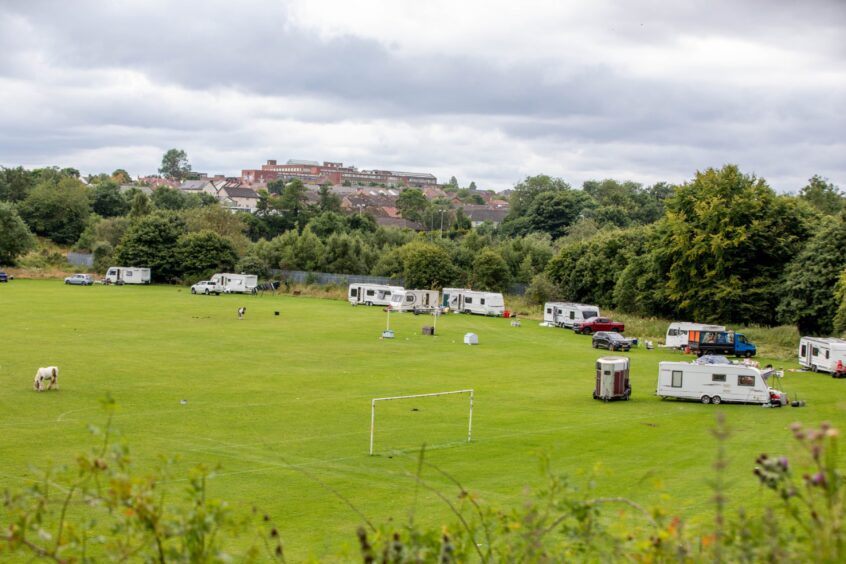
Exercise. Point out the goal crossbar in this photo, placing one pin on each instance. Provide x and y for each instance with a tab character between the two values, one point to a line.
373	410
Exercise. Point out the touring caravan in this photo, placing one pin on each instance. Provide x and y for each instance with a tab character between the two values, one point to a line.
553	313
717	383
372	294
236	283
463	300
415	300
677	333
572	314
823	354
127	275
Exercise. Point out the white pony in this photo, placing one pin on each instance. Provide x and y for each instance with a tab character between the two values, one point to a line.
51	374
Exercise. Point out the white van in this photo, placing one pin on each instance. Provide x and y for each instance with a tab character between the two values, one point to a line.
415	300
717	383
236	283
678	330
372	294
823	354
126	275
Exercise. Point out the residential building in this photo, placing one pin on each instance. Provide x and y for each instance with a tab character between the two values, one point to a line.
334	173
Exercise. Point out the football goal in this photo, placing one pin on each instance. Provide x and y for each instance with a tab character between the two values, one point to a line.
394	398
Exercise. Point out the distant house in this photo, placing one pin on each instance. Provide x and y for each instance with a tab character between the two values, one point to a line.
480	214
127	187
237	198
399	222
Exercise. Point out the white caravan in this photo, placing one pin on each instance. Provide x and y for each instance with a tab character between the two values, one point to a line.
566	314
717	383
823	354
463	300
415	300
126	275
677	333
372	294
236	283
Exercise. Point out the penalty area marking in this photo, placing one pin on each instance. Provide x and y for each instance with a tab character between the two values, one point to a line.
373	410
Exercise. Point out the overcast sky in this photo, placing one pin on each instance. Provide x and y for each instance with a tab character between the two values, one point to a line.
483	90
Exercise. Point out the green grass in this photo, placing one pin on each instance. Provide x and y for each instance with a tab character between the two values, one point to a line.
282	405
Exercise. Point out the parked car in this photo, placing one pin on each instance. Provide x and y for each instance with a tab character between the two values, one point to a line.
80	280
207	287
611	341
3	276
594	324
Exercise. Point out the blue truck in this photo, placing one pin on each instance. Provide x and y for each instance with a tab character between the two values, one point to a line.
720	342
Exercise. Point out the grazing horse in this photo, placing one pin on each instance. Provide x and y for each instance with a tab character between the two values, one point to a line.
51	374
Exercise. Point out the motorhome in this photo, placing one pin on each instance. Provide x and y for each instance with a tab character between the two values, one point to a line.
120	275
236	283
678	330
418	301
717	383
823	354
462	300
372	294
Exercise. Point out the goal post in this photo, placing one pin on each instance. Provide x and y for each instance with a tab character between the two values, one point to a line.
373	410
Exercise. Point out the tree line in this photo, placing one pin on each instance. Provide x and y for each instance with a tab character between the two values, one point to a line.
721	247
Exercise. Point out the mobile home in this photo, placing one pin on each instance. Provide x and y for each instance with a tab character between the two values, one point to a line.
415	300
372	294
823	354
127	275
717	383
677	333
236	283
463	300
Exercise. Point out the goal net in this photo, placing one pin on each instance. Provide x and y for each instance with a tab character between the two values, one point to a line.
408	421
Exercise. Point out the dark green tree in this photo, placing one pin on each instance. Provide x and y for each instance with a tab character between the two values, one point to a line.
490	272
555	212
141	205
175	165
412	204
151	242
329	201
15	238
57	210
203	253
165	198
726	241
426	266
108	201
808	292
16	183
823	195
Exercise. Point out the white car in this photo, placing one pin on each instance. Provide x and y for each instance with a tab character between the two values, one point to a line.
207	287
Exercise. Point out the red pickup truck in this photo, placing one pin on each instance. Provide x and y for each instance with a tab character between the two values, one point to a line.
593	324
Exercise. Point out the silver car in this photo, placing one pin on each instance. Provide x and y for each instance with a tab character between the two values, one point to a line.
80	280
207	287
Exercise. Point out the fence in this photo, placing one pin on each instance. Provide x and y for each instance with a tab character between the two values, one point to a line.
81	259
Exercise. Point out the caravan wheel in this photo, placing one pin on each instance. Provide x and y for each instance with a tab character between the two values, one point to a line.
705	399
716	400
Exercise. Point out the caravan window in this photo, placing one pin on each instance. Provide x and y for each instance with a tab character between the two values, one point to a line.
409	298
549	310
804	350
371	292
826	353
673	332
745	380
815	351
588	314
354	293
718	377
129	274
468	300
677	379
572	314
482	301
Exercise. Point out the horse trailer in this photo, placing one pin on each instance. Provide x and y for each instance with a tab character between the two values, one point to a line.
463	300
677	333
823	354
372	294
126	275
717	383
415	300
612	379
236	283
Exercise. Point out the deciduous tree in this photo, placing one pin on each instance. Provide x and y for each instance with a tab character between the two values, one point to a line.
15	237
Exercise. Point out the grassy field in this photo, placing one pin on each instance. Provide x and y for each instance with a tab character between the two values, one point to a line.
282	405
